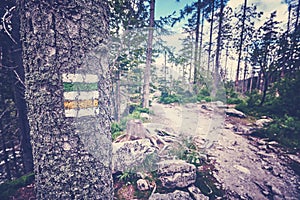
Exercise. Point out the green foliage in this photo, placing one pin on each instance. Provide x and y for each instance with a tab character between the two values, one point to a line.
126	176
232	96
167	99
284	130
10	188
282	105
204	94
142	110
116	130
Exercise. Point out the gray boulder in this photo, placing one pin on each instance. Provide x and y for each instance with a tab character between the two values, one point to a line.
235	113
130	155
176	195
176	173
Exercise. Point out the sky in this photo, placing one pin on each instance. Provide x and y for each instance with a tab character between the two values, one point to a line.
167	7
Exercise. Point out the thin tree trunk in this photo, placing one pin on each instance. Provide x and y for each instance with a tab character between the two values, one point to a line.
218	50
297	16
241	45
146	89
251	82
196	64
265	88
244	78
201	38
72	150
210	35
226	62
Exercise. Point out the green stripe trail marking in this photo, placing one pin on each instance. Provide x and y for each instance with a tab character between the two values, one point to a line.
68	87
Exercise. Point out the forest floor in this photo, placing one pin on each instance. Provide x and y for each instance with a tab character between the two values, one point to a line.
247	167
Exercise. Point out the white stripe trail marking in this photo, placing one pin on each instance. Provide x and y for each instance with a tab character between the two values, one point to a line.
86	78
81	112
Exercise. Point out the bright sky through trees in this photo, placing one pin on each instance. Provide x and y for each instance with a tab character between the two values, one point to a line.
167	7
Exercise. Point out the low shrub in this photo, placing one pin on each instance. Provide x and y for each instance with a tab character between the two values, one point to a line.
285	131
10	188
167	99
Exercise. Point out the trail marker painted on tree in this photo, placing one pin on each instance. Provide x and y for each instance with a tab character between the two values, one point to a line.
80	95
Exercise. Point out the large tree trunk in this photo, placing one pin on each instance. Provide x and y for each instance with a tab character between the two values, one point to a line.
240	46
65	41
146	89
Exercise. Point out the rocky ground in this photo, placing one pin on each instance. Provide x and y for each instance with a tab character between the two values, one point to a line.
153	159
247	167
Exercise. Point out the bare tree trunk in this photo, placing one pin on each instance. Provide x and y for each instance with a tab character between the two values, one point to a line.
244	78
146	89
297	16
240	46
210	35
64	44
196	64
251	81
218	50
201	38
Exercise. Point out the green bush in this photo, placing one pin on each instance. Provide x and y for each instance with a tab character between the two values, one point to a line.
172	98
234	101
284	130
10	188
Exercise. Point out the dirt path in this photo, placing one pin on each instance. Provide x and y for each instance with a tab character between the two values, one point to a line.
248	168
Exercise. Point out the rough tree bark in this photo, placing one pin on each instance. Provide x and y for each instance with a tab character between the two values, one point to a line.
72	154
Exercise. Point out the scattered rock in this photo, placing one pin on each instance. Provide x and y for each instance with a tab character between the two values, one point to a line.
143	185
265	192
206	107
196	193
130	154
235	113
176	173
261	122
294	158
276	191
242	169
220	104
177	195
229	126
272	143
268	167
145	116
